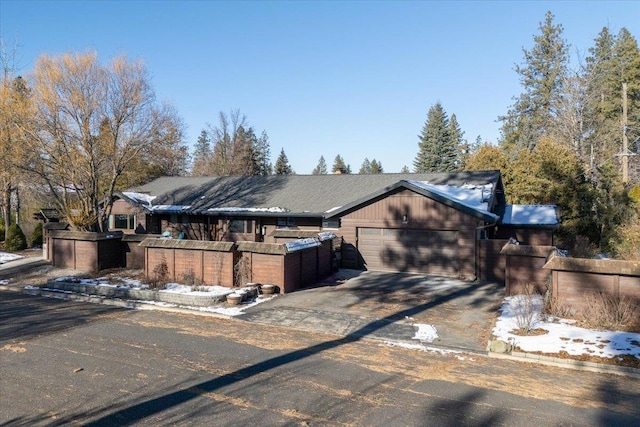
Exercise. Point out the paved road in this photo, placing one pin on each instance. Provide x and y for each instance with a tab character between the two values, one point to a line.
71	363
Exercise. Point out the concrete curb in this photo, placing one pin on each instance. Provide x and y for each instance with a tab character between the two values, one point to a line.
577	365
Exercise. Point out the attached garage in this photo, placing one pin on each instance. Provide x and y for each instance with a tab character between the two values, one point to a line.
412	250
418	227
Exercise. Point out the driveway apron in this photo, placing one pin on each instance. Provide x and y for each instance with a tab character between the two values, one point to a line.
390	307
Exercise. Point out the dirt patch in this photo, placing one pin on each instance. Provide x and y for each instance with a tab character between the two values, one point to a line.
622	360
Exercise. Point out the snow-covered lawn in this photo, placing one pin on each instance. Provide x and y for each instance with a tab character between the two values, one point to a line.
6	257
562	334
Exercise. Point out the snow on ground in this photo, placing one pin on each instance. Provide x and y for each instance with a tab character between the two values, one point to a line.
562	334
6	257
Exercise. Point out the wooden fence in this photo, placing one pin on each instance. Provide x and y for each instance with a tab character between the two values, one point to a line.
573	279
524	268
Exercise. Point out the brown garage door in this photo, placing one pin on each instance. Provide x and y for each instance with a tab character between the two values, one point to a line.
423	251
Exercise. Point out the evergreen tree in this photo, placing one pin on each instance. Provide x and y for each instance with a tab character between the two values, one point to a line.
262	155
366	167
282	166
201	154
405	169
339	166
15	241
612	61
376	167
456	135
542	76
437	152
321	168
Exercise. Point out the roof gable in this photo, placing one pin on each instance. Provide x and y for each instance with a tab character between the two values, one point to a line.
473	199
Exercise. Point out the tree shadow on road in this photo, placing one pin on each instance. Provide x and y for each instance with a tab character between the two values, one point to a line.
26	316
141	410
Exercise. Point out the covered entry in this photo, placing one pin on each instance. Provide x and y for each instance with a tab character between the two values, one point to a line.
413	250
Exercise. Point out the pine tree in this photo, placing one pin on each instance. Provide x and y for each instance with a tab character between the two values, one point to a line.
321	168
376	167
405	169
282	165
612	61
437	152
201	154
366	167
339	166
542	76
262	155
456	135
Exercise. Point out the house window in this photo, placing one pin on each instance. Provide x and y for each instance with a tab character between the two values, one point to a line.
332	223
241	226
124	222
286	222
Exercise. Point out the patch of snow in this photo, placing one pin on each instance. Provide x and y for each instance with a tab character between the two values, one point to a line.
332	209
4	282
530	215
177	288
444	352
170	208
235	209
300	244
142	198
326	235
472	196
562	335
6	257
425	333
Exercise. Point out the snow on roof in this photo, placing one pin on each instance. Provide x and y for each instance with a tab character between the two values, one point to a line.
142	198
475	197
170	208
326	235
235	209
332	209
300	244
530	215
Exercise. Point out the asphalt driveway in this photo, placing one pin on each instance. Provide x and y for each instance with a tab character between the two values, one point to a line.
388	306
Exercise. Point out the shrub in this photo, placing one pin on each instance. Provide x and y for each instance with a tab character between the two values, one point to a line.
2	230
36	236
525	310
606	311
16	241
160	275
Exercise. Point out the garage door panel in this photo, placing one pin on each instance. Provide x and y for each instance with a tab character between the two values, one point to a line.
425	251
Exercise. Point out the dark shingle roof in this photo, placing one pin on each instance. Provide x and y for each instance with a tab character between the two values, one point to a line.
308	194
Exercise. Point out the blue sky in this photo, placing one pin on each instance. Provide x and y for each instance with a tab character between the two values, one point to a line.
321	78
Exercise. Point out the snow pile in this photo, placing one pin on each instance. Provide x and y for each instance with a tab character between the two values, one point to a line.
6	257
562	334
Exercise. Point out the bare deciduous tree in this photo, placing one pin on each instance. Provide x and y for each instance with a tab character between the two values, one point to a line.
14	110
91	123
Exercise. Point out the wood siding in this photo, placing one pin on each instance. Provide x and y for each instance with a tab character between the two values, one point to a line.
422	214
